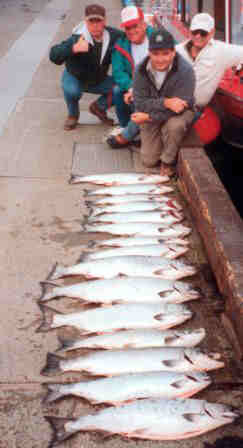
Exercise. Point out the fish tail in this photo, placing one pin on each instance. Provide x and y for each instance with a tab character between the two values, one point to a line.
87	192
56	272
53	392
48	314
46	288
91	244
52	366
73	179
59	432
65	344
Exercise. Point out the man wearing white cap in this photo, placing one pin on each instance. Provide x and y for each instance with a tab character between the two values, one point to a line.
128	52
209	57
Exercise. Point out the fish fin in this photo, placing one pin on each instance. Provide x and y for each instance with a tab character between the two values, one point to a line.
58	426
193	418
53	393
164	294
64	344
170	363
178	384
169	340
48	314
159	272
52	366
159	316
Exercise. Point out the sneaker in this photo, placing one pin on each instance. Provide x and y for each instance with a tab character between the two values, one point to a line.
114	143
101	114
70	123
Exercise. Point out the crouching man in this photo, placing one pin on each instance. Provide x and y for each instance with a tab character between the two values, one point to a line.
163	94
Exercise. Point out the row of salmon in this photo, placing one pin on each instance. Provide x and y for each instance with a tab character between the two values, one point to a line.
160	366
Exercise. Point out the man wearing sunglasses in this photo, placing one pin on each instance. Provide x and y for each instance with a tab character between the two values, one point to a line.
209	57
87	57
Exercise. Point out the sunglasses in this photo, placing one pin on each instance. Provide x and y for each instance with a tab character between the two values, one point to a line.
202	33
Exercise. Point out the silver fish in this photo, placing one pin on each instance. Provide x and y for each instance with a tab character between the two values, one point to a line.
123	290
167	250
129	387
118	362
117	317
134	241
115	200
137	266
119	179
144	338
131	189
165	218
155	419
139	229
138	206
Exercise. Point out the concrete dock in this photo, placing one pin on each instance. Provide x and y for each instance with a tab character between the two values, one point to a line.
41	217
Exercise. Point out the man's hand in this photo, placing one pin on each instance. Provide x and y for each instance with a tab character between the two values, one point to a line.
177	105
140	117
81	46
128	96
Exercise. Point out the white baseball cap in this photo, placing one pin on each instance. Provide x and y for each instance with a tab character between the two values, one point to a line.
202	21
131	15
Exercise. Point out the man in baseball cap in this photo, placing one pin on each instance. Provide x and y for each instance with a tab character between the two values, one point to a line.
129	51
163	94
87	57
202	21
208	56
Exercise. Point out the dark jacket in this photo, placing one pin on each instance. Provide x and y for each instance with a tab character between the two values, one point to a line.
179	82
84	66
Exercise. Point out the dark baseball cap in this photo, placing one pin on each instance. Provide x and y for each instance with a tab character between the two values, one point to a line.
162	39
94	12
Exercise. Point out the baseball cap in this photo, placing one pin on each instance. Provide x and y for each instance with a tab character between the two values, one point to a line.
94	12
202	21
161	39
131	15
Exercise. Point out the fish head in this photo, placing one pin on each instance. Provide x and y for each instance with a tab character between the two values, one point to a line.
203	361
189	290
184	266
223	412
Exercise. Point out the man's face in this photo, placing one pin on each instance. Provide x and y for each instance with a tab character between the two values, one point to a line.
200	38
96	27
136	33
161	59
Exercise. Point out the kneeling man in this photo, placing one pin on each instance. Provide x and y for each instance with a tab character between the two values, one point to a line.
163	90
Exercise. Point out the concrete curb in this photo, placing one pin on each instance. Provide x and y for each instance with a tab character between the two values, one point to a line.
221	229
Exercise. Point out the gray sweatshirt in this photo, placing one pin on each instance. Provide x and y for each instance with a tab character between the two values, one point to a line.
179	82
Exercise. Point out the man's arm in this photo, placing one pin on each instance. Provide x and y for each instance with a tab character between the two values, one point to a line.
61	52
162	108
119	71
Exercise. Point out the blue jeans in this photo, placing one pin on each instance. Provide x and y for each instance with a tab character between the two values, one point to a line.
123	112
73	90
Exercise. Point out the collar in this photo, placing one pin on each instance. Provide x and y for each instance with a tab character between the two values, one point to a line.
81	29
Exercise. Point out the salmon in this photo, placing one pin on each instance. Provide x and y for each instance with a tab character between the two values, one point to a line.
117	390
155	419
119	179
118	362
116	317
